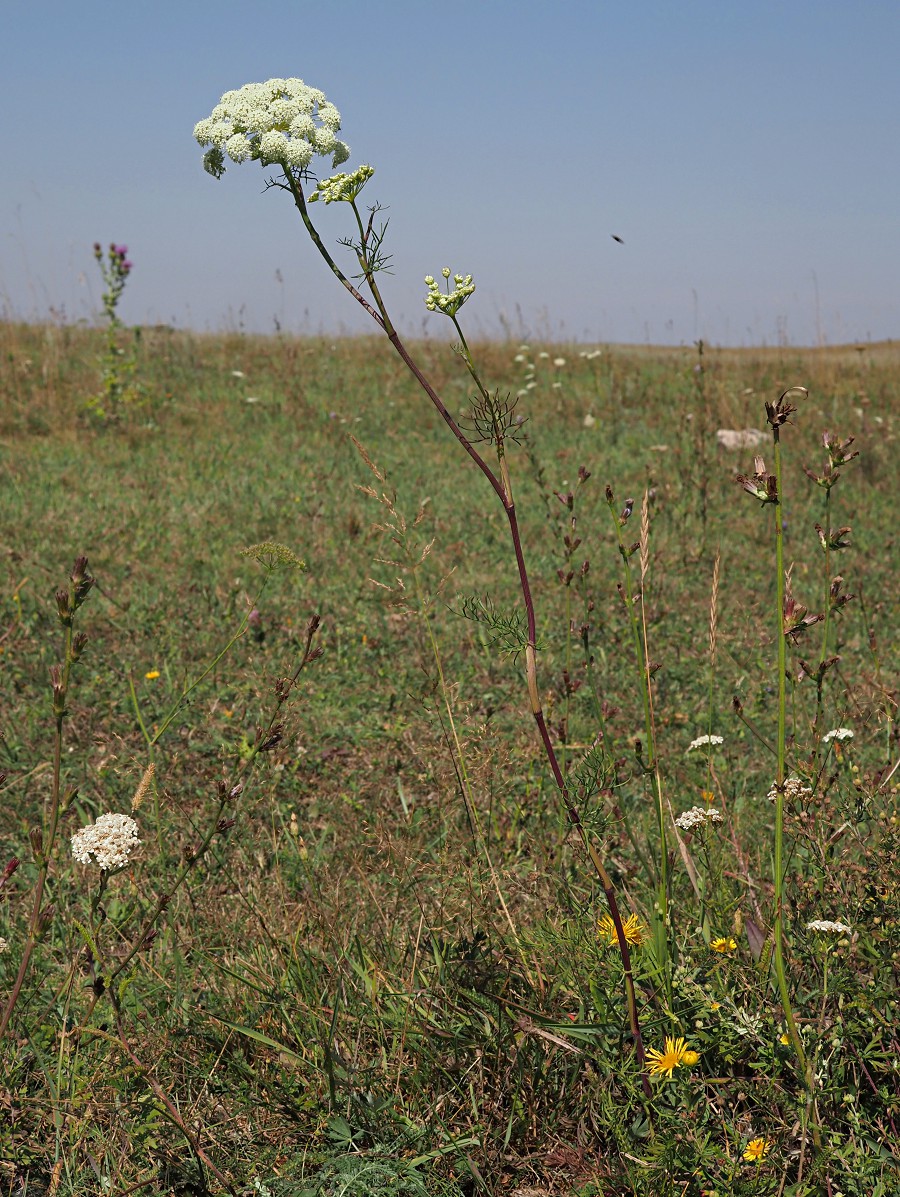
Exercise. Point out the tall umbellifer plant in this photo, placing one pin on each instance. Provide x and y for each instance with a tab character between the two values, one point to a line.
283	124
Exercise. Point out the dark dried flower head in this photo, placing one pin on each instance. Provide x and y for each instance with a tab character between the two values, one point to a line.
780	412
837	449
81	581
760	484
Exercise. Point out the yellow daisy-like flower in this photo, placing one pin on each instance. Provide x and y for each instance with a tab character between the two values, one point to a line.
756	1150
635	931
151	674
724	945
676	1053
784	1038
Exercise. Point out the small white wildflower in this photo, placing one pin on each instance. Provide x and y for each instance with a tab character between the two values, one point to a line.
828	926
837	733
589	421
702	741
237	373
794	791
559	361
4	945
698	816
110	840
520	357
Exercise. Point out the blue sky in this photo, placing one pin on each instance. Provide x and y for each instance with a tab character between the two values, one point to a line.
747	154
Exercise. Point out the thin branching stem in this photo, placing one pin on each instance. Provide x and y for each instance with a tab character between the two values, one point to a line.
503	489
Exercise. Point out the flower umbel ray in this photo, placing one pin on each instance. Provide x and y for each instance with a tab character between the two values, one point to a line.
676	1053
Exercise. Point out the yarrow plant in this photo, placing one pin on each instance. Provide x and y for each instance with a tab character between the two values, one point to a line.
110	841
698	816
829	927
837	733
794	790
703	741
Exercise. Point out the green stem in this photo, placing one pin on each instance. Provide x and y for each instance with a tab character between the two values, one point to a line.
661	912
778	922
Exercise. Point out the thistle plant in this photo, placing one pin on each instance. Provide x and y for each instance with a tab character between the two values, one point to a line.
119	365
285	124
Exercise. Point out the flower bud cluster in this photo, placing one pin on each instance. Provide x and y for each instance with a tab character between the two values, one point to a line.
110	840
342	188
448	302
281	121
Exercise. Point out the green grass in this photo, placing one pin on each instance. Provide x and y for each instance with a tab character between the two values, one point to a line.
351	991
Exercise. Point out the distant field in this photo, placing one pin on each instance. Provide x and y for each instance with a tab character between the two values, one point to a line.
387	972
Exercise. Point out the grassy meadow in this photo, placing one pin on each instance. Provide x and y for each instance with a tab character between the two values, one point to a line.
360	949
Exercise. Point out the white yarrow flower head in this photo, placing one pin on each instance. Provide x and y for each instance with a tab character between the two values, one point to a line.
448	302
110	841
828	927
837	733
4	945
794	791
281	122
702	741
698	816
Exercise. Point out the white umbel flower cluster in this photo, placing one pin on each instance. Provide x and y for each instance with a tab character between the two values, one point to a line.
702	741
828	926
698	816
794	791
110	841
448	302
838	733
4	944
281	122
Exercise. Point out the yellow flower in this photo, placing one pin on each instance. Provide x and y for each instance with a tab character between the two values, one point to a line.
635	931
724	945
757	1149
151	674
784	1038
715	1006
664	1063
